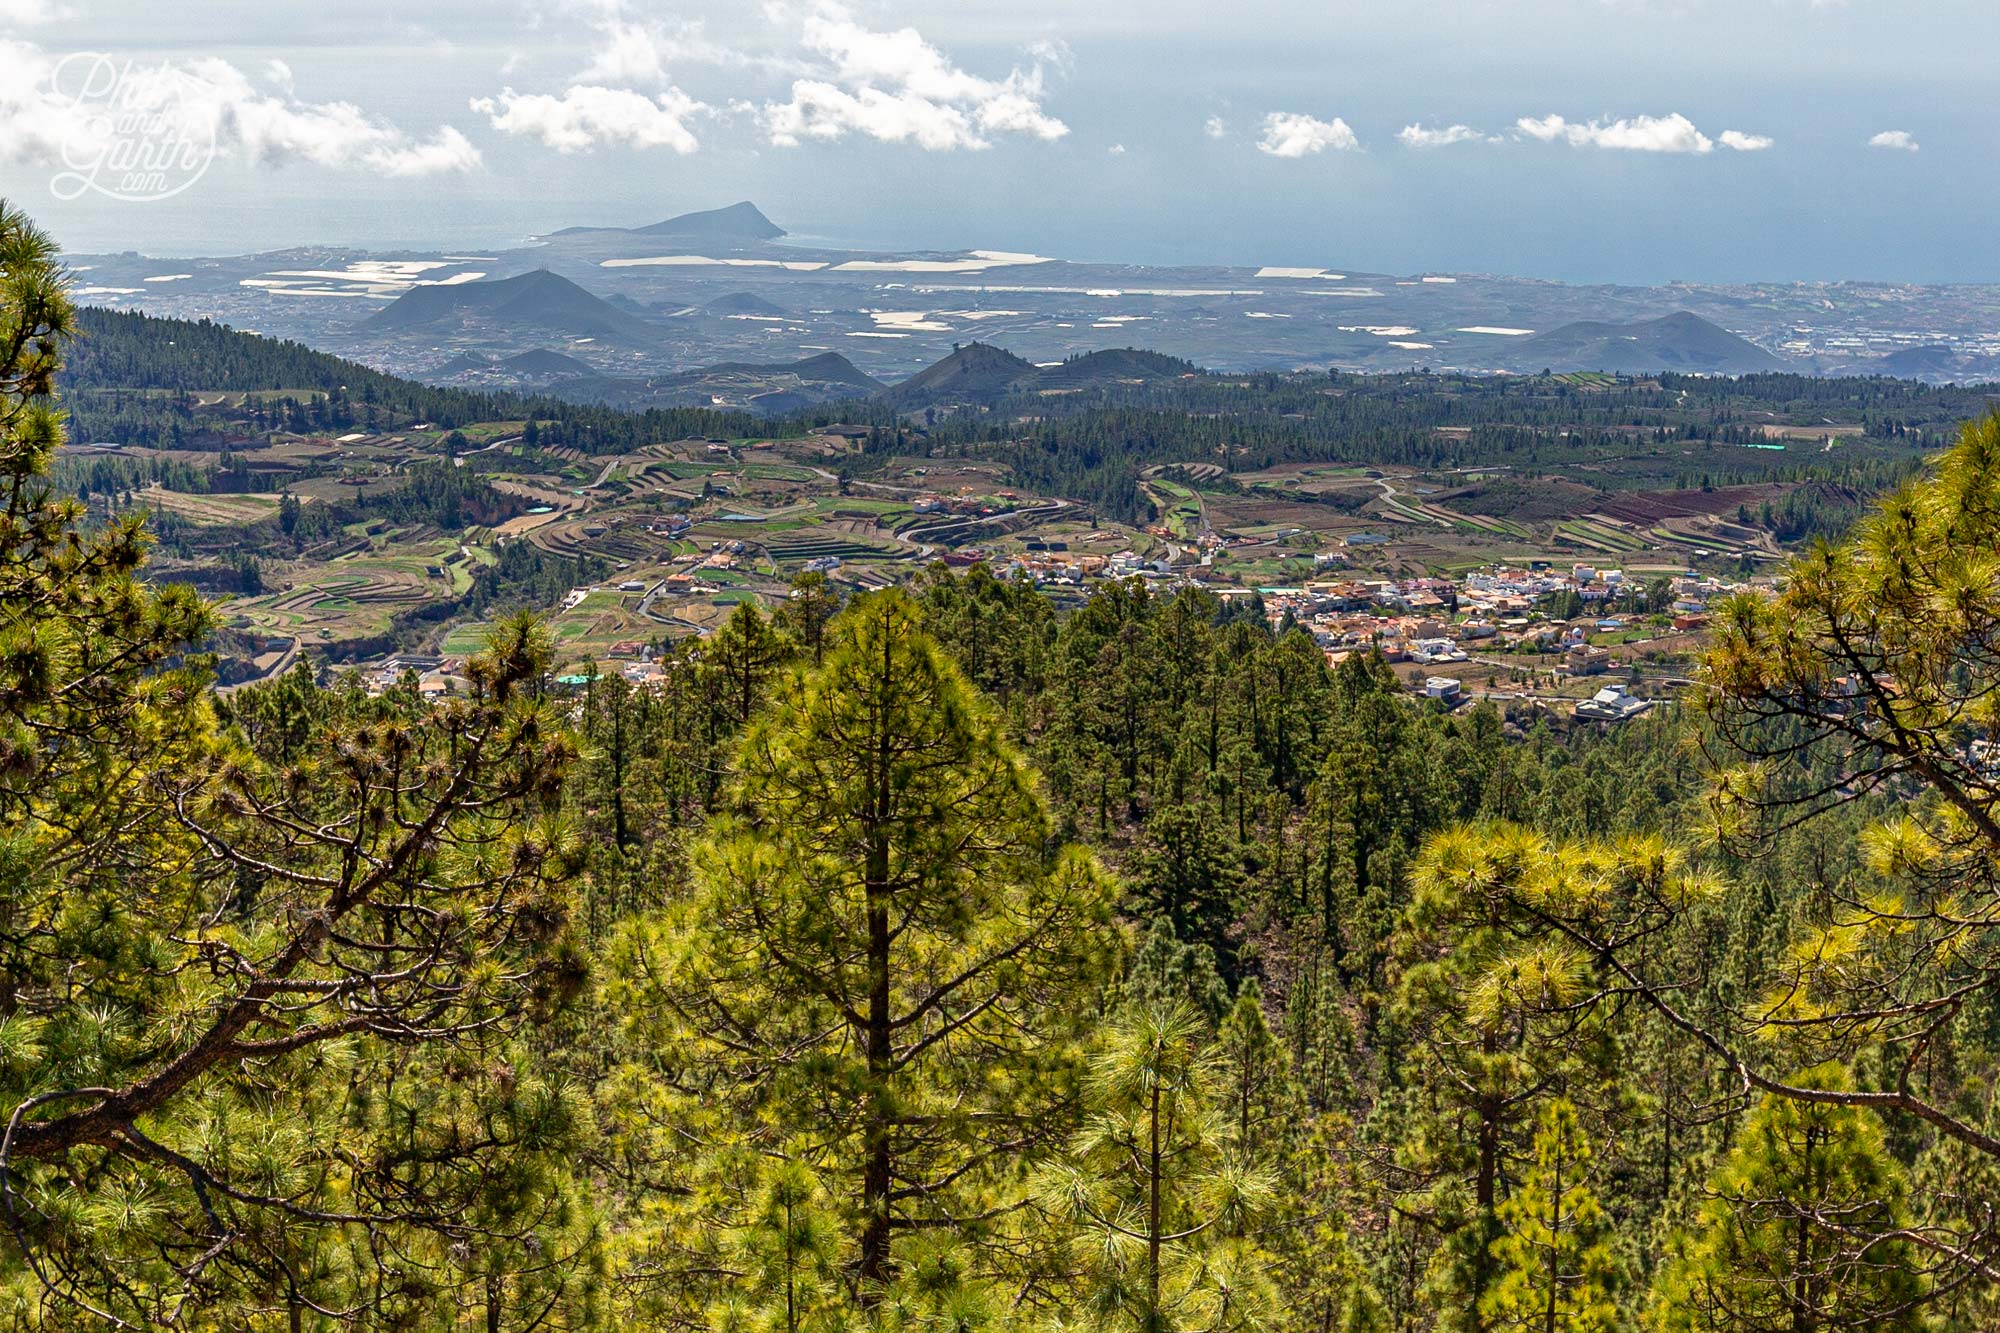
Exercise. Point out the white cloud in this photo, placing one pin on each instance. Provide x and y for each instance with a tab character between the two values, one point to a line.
44	120
586	116
279	73
1745	143
819	110
1639	134
1901	141
1053	52
897	87
33	126
447	150
633	49
28	13
1216	128
1116	150
1418	136
628	52
1290	134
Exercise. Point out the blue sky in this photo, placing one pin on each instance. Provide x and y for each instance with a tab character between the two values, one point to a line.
1584	140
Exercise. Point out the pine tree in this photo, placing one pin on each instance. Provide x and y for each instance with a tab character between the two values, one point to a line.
1799	1233
1162	1198
1557	1270
267	985
1254	1073
883	959
813	604
1491	1008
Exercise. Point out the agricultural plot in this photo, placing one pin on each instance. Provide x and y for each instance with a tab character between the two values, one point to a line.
1596	535
358	595
1707	545
210	510
806	545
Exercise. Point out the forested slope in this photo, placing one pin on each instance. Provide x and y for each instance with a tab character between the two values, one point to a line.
133	380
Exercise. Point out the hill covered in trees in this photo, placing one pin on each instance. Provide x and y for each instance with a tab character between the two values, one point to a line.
134	378
981	374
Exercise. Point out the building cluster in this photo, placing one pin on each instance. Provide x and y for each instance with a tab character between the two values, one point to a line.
967	505
437	677
1432	621
1054	564
1424	621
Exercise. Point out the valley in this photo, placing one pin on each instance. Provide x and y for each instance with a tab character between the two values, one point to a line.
1552	529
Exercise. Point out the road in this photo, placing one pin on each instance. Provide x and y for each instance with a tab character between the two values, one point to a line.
1389	494
459	461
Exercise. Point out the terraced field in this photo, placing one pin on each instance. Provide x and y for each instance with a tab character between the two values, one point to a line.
356	595
614	537
1596	535
806	545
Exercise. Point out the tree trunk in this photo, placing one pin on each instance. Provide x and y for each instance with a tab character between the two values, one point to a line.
1154	1323
878	1172
1485	1193
1555	1249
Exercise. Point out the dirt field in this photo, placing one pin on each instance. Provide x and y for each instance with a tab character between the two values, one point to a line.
210	509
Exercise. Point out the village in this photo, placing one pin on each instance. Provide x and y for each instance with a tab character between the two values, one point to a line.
1499	632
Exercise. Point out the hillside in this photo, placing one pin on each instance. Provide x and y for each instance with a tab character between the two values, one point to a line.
743	303
826	368
119	351
1681	342
540	362
1923	363
739	222
462	364
770	390
537	304
974	373
125	350
981	374
1124	365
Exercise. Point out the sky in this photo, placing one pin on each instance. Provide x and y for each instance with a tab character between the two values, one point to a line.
1616	141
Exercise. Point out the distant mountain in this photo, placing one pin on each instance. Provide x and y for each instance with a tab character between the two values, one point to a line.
737	225
743	303
538	303
541	363
462	364
981	374
1679	342
826	368
1913	363
738	222
975	373
768	389
1124	365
